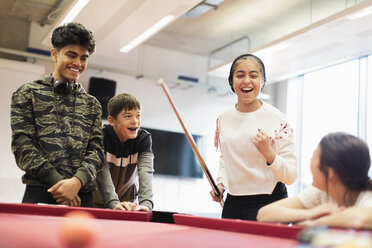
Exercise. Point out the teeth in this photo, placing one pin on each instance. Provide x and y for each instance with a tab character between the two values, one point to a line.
247	89
74	70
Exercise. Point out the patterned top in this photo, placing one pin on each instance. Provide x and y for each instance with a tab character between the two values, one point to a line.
312	197
56	136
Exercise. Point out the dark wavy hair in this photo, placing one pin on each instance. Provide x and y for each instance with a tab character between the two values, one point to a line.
349	157
73	33
122	101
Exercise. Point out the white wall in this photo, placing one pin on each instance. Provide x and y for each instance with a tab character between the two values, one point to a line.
197	108
13	74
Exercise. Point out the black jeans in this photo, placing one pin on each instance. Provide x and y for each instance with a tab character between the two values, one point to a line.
39	194
246	207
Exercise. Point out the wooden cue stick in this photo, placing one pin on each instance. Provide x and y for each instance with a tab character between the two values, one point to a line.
192	143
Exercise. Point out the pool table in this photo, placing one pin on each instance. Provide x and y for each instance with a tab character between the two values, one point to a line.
32	225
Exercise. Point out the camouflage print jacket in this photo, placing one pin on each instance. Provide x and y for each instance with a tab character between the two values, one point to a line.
56	136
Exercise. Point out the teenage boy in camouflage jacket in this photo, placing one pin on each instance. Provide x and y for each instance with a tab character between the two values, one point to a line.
56	126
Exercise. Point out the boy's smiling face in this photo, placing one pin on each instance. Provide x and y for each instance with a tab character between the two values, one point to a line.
126	124
70	62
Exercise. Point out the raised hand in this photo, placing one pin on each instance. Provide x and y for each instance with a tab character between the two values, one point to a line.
262	143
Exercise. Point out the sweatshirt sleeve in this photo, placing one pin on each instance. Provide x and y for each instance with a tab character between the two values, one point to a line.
28	156
145	174
221	176
285	165
106	187
94	156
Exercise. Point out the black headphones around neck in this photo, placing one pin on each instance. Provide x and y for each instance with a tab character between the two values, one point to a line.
62	87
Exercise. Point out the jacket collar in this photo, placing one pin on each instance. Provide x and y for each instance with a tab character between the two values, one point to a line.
45	81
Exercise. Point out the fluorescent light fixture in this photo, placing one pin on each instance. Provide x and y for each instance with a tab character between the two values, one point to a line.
73	10
221	71
145	35
268	51
360	14
340	60
80	4
225	68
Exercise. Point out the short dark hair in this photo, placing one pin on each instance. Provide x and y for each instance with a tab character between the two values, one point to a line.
73	33
246	57
349	157
122	101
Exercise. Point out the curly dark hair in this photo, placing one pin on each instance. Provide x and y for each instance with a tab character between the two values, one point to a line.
73	33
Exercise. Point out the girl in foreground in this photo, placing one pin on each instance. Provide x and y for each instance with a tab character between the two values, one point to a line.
341	192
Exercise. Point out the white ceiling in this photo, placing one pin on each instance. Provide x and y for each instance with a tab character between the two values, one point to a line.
315	31
332	40
122	21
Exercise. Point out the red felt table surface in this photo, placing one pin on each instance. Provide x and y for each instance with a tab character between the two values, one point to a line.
19	230
30	230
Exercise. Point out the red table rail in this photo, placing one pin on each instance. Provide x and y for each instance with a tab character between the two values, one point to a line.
57	210
242	226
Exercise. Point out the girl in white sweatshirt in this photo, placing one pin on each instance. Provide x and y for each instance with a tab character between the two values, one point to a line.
256	142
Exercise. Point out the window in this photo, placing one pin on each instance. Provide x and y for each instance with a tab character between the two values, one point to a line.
330	104
294	110
369	106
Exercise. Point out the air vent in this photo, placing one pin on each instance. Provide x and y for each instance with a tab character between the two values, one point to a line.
202	8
